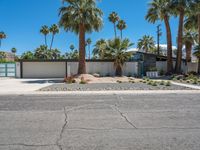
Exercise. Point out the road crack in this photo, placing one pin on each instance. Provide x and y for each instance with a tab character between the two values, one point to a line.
62	130
114	107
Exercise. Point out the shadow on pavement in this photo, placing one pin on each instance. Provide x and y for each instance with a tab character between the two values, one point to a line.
42	81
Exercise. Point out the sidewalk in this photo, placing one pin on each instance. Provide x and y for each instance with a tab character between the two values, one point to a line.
11	85
187	85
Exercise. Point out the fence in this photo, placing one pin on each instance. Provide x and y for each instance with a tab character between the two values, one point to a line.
190	67
7	69
59	69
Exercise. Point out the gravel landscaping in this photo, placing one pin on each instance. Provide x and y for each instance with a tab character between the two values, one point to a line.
110	86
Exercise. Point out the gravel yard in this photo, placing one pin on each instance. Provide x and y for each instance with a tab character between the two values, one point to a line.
110	86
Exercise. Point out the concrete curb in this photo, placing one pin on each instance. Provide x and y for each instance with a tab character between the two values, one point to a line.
130	92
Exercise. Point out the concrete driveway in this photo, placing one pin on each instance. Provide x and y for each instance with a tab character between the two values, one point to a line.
11	85
100	122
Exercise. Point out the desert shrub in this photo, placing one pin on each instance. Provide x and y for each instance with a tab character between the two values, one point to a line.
154	83
168	83
192	73
83	81
118	81
162	83
69	80
149	82
195	81
174	78
144	81
188	81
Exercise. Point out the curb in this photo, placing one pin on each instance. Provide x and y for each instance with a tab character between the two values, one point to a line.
133	92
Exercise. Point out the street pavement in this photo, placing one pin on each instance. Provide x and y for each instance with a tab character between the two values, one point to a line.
143	121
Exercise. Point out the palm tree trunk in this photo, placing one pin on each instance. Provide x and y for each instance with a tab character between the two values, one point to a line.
198	70
121	35
45	40
188	46
115	30
89	50
0	43
82	64
52	41
180	43
169	46
199	26
118	71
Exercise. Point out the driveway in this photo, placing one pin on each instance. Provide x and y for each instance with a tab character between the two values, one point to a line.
11	85
100	122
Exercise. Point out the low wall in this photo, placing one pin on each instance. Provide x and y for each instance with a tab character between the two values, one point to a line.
59	69
162	65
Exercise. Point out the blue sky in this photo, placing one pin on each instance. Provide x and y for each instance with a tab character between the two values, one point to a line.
21	20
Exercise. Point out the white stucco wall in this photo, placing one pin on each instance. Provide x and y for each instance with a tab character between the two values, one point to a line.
162	65
44	69
58	69
192	67
130	68
104	68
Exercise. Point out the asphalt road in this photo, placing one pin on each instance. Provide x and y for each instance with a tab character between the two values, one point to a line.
100	122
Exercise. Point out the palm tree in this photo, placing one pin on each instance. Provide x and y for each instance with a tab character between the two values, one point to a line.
2	36
89	41
189	38
160	10
42	53
55	53
114	18
180	7
72	47
27	55
99	50
2	55
195	7
13	50
54	29
81	17
146	44
45	31
197	54
121	26
118	51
